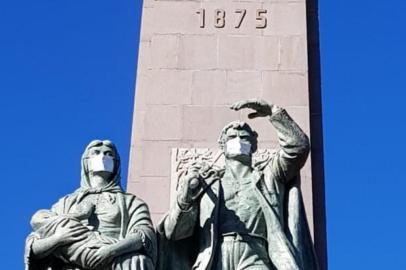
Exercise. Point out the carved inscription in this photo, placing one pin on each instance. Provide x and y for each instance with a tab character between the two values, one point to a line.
221	18
183	158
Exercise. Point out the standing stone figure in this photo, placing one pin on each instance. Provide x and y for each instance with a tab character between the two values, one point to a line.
245	216
99	226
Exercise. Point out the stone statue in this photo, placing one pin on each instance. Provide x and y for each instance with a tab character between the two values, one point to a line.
99	226
243	216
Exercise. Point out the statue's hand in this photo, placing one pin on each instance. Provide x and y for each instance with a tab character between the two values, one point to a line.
189	184
261	107
67	234
102	256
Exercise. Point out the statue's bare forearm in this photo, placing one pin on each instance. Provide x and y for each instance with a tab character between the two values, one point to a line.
41	248
131	243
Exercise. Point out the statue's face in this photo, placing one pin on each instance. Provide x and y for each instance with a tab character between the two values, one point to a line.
101	159
238	143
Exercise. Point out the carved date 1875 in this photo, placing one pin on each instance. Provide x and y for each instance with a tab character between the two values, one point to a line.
237	19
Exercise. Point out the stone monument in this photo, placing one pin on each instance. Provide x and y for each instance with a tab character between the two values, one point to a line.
198	57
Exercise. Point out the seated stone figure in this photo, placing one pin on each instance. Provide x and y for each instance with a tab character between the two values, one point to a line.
121	236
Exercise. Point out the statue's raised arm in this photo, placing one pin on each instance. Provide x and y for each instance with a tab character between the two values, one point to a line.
294	143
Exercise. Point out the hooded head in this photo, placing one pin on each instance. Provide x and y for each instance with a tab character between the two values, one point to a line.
101	156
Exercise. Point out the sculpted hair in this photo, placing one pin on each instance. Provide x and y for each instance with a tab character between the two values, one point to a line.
239	125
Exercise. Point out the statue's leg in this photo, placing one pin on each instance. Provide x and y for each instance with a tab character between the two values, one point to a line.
254	256
226	256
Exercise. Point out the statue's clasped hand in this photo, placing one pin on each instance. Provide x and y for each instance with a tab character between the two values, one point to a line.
70	233
102	256
189	185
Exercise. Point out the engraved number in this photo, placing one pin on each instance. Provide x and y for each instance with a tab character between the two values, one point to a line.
202	17
219	18
261	19
242	13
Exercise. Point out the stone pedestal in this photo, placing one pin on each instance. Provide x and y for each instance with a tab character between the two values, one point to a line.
198	57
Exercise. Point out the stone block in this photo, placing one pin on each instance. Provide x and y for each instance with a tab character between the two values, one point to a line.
157	216
144	187
241	57
242	85
170	17
285	89
208	87
293	53
165	48
163	122
168	87
135	158
156	161
143	82
286	18
197	52
267	55
147	24
138	125
202	123
144	56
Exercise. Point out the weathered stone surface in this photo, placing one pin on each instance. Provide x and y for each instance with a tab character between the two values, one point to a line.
165	48
208	87
153	185
197	52
163	122
188	75
286	89
241	57
172	87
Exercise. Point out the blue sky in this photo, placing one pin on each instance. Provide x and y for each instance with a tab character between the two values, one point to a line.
67	74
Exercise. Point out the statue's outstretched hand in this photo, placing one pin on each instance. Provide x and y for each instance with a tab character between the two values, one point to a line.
261	107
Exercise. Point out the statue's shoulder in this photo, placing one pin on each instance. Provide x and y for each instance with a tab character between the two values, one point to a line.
132	199
262	159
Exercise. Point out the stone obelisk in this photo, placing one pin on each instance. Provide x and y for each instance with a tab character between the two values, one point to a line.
196	57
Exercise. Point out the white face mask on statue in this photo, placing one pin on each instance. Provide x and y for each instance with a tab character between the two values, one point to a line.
237	147
101	163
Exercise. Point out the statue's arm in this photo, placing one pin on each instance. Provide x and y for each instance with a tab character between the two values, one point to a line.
41	248
66	234
179	223
133	242
294	147
141	233
294	144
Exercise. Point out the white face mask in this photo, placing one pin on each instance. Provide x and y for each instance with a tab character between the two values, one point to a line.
100	163
236	147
